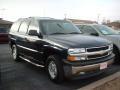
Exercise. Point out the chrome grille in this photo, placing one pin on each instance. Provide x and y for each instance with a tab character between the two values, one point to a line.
105	52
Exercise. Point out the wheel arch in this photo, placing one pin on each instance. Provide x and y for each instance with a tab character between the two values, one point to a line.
54	51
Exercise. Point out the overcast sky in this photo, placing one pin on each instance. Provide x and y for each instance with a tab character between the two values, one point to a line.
79	9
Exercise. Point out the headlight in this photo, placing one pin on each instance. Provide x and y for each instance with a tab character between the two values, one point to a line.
73	54
111	46
76	51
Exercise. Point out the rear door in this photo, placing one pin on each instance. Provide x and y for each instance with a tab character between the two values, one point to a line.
21	39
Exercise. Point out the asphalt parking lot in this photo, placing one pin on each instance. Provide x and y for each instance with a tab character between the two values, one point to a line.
24	76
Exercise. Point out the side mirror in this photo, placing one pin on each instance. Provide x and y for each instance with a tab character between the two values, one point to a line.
94	34
33	33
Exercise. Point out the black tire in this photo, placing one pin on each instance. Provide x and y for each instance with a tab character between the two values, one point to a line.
117	55
59	77
15	53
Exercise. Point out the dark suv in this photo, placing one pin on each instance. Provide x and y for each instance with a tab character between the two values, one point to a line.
60	47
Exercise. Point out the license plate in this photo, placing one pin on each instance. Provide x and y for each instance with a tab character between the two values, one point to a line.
103	66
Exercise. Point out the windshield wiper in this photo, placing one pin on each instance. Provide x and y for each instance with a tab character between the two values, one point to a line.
57	33
74	33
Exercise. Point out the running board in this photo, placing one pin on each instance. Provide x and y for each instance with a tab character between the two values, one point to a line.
31	62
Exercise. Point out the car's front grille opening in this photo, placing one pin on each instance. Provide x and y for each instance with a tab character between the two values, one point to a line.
97	49
105	52
97	56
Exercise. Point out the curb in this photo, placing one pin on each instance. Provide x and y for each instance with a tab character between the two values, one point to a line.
101	83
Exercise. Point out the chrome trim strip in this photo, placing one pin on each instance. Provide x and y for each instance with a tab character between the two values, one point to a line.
31	62
91	53
98	47
13	38
98	57
27	48
77	69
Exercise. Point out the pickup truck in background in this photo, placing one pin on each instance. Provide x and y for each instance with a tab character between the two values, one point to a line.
103	31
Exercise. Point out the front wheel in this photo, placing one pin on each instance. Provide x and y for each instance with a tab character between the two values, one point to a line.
117	55
55	69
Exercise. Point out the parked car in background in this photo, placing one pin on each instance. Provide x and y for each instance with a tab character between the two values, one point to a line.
117	32
59	46
104	32
3	35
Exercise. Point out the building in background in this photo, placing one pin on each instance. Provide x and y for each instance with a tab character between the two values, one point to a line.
5	24
77	21
4	29
115	25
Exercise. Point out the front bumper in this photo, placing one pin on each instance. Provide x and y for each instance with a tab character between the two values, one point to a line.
75	70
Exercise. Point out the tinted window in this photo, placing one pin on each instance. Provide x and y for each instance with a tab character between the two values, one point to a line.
105	30
3	30
80	26
88	30
15	26
58	27
23	27
33	26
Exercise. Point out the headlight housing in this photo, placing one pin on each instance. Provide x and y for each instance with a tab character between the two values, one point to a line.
76	51
111	46
73	54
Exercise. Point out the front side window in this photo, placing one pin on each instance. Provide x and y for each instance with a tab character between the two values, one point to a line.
52	27
105	30
88	30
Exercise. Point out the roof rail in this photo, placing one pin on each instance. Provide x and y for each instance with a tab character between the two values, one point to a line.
42	17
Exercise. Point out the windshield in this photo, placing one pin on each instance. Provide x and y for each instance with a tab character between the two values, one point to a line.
105	30
52	27
3	30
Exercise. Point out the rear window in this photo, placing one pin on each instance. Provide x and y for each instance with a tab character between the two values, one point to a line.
15	27
3	30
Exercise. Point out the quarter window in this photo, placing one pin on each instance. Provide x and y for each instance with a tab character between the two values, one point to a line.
15	27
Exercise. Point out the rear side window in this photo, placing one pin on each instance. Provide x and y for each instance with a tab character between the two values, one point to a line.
15	26
23	27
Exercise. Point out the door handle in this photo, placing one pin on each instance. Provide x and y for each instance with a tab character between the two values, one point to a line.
26	39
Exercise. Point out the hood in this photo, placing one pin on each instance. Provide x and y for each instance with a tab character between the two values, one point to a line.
78	41
113	37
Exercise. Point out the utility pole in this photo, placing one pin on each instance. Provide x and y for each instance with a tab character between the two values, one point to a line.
65	16
98	18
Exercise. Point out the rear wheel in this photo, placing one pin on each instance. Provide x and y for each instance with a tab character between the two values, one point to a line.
55	69
15	54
